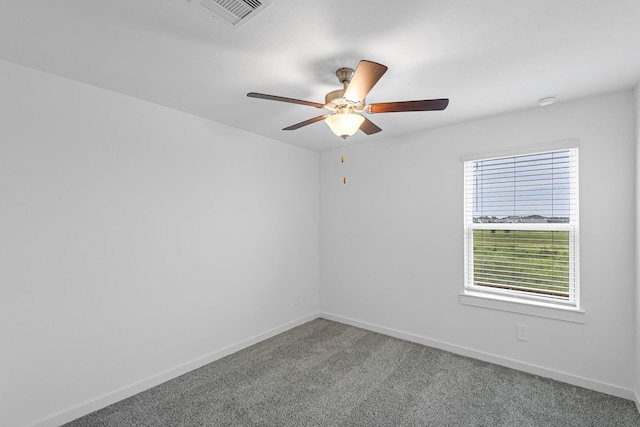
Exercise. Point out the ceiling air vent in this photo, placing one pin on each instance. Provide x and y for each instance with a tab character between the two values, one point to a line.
233	12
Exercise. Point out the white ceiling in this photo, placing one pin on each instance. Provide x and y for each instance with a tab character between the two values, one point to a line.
488	57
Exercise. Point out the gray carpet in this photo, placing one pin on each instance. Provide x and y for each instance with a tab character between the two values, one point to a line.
325	373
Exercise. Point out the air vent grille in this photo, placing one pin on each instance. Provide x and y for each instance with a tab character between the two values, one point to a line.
233	12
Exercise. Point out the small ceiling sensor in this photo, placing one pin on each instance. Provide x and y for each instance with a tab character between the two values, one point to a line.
547	100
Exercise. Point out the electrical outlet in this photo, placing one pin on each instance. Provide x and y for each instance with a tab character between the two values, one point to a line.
522	332
296	298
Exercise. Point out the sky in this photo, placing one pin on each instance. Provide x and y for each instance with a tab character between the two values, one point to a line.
536	184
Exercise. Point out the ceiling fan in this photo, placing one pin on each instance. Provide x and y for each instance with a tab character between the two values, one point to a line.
345	103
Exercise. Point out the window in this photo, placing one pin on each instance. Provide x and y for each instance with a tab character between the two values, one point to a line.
521	228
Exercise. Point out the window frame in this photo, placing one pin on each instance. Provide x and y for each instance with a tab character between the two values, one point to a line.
472	294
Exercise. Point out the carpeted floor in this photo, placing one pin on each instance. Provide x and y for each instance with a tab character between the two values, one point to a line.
325	373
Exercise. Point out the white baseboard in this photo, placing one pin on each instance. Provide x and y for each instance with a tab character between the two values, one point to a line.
112	397
498	360
107	399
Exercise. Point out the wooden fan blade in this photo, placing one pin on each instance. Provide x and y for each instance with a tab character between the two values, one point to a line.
283	99
423	105
364	78
306	122
369	127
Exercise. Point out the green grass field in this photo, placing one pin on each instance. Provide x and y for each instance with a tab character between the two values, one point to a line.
534	261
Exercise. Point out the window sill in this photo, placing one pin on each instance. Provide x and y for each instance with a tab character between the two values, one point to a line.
566	314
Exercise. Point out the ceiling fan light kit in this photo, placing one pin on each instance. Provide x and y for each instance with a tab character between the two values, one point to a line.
345	124
345	104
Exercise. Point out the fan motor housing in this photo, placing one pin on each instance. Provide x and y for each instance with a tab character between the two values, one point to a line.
335	97
335	101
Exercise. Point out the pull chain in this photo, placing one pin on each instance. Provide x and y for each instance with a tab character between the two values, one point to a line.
344	177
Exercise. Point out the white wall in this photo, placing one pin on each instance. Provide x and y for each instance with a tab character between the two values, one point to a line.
392	242
637	324
137	242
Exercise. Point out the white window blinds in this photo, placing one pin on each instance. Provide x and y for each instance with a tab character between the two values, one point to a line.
521	226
